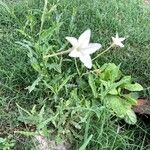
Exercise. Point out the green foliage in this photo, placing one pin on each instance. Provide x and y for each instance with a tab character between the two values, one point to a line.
43	43
35	118
116	92
69	117
67	105
6	143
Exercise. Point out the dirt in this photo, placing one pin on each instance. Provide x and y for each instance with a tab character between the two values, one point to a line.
147	1
142	107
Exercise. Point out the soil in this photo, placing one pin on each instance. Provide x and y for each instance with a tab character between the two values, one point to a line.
147	1
142	107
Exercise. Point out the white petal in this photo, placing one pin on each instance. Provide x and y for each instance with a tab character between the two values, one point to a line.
91	48
84	38
72	40
113	38
74	53
120	44
86	59
122	39
117	36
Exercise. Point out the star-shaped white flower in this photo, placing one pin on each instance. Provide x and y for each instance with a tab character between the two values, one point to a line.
82	48
118	41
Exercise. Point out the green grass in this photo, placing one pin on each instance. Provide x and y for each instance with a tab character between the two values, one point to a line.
104	17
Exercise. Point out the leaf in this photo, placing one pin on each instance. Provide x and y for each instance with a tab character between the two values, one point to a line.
47	33
92	85
26	133
24	33
133	87
118	105
134	95
130	117
20	109
35	83
41	113
74	94
113	92
86	143
98	110
50	87
35	64
56	67
110	72
121	108
44	123
123	81
130	100
2	140
27	46
33	110
64	82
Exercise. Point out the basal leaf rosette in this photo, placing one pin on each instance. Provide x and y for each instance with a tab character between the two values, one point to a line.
119	92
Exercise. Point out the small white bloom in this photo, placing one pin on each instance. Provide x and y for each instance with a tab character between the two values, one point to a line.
82	48
118	41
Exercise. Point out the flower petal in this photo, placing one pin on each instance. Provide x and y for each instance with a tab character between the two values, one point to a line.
122	39
120	44
84	38
72	40
91	48
118	41
74	53
117	36
86	59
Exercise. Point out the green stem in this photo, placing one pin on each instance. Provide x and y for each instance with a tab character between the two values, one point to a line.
59	53
104	51
43	16
77	67
94	71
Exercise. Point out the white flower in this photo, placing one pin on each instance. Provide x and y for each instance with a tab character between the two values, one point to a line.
118	41
82	48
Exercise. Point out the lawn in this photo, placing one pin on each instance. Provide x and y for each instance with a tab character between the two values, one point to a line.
56	98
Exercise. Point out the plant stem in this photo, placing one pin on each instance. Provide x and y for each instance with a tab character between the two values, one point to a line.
94	71
104	51
77	67
43	16
59	53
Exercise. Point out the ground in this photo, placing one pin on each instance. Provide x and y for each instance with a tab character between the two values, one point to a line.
20	22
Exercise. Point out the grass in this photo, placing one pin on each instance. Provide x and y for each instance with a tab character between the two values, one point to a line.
129	18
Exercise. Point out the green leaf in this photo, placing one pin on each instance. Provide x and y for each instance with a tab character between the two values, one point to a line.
130	100
92	85
47	33
26	133
110	72
118	105
113	92
123	81
35	64
130	117
43	123
83	147
35	83
41	113
50	87
55	66
64	82
133	87
2	140
134	95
